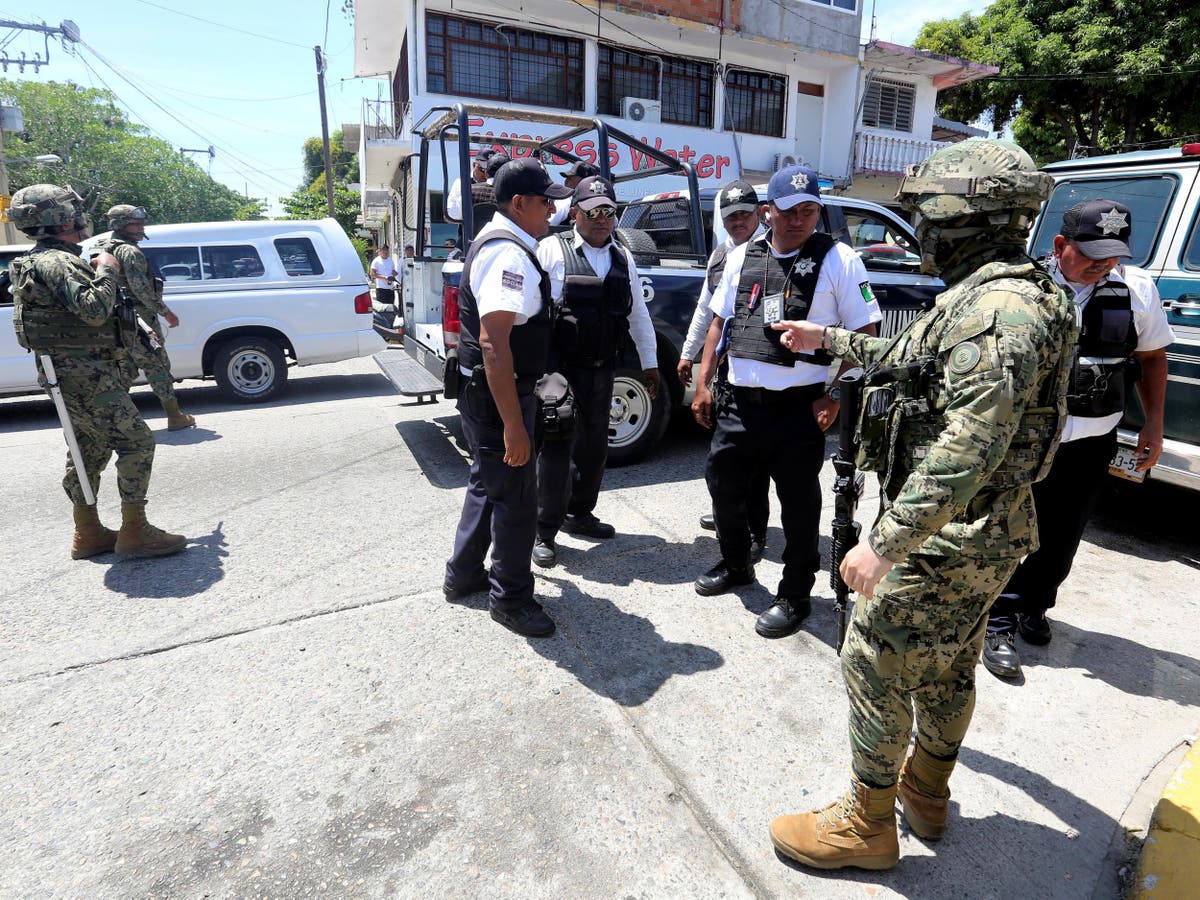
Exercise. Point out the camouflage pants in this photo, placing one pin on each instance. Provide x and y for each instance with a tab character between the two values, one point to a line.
911	650
95	388
154	363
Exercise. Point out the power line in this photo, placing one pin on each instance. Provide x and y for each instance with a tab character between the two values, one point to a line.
325	40
259	36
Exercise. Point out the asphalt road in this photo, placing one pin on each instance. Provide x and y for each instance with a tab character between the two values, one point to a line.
291	708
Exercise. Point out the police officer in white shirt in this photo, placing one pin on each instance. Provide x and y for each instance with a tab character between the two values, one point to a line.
504	346
598	301
1123	329
571	175
737	203
481	187
775	411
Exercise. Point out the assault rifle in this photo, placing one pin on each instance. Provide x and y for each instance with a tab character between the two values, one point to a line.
847	491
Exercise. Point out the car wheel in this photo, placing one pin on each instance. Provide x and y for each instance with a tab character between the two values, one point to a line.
250	369
635	422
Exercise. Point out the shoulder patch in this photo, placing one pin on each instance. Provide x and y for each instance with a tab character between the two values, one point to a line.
864	288
964	358
514	281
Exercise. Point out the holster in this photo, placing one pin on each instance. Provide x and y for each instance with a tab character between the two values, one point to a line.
556	408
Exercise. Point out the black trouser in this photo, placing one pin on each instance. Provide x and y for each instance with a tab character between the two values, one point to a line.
1063	501
772	431
500	510
758	503
386	296
569	472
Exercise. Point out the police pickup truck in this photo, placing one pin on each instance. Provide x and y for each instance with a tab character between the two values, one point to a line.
670	235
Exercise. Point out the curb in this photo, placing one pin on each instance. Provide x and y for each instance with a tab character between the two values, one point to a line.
1169	866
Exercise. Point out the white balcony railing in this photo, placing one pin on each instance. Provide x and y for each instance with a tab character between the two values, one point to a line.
890	155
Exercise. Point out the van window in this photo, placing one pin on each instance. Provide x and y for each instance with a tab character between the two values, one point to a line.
879	244
1147	196
299	256
1191	253
231	262
175	263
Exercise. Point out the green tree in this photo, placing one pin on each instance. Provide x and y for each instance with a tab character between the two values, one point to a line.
304	203
343	162
107	158
1077	76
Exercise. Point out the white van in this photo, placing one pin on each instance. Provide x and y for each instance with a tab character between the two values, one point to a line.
252	298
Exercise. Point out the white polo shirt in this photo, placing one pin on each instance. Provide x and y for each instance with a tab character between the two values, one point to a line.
1149	321
641	329
840	298
382	268
503	277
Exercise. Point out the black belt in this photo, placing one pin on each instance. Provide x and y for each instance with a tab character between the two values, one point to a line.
764	396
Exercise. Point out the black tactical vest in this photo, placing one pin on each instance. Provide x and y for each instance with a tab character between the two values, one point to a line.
766	277
1107	331
529	342
716	267
592	317
483	205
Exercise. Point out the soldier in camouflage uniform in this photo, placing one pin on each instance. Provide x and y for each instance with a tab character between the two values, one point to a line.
66	311
138	281
964	414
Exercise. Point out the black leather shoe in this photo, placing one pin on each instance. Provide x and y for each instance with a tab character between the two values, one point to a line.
454	593
708	523
999	655
758	546
544	553
721	578
529	620
1035	628
587	525
783	617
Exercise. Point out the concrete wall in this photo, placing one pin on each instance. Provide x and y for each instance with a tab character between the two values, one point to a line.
808	25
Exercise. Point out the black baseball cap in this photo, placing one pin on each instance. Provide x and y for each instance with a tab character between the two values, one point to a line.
737	196
592	192
495	161
482	157
1100	228
580	168
526	176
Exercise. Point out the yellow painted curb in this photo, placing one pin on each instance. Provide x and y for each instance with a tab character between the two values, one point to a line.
1169	867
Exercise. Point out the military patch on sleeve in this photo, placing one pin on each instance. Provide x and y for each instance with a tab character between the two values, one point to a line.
864	288
964	358
514	281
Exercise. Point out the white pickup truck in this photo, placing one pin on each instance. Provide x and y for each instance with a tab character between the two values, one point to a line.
252	299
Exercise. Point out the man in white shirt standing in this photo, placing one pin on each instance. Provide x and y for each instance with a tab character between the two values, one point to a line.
571	175
775	411
1123	329
504	347
384	271
598	301
737	203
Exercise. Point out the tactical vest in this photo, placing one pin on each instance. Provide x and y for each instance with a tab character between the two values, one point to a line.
716	267
40	318
483	205
1103	363
789	281
110	245
529	342
591	318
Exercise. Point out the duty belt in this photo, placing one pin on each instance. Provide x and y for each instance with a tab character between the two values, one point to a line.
760	396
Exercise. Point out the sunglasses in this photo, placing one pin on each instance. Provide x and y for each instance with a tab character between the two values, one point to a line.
601	212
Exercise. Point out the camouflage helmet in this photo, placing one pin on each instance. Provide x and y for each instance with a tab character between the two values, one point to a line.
123	215
41	208
973	177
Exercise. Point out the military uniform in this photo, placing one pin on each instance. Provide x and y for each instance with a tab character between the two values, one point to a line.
962	414
64	311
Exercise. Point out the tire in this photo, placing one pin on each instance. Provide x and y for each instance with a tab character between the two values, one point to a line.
640	244
250	369
635	423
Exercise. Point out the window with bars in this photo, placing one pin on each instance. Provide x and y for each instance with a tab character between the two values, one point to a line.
474	59
755	102
889	104
687	84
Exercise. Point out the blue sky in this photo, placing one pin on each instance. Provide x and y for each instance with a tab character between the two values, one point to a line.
254	95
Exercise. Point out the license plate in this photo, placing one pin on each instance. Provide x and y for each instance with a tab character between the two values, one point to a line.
1124	464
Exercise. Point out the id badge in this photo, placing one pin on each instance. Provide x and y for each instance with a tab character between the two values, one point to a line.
773	309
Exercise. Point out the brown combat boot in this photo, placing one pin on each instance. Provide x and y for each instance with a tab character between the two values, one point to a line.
138	537
924	793
857	830
91	538
177	419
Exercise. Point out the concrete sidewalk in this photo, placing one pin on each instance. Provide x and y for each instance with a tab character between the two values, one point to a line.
290	708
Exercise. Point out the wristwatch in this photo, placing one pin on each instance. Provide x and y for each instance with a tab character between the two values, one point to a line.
834	393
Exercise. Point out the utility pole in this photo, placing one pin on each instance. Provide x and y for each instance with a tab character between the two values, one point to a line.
210	152
9	232
324	128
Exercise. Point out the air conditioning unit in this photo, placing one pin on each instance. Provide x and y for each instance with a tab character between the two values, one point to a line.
783	160
641	109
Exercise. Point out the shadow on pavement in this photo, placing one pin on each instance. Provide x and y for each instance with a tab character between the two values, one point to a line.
190	572
438	446
183	437
1161	519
